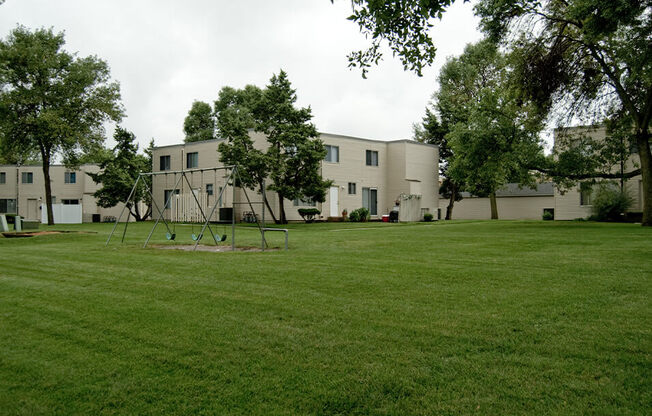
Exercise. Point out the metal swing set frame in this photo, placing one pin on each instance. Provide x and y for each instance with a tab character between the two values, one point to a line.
182	174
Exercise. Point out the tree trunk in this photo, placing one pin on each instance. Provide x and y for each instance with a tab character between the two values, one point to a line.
269	207
494	206
48	188
643	142
451	202
282	218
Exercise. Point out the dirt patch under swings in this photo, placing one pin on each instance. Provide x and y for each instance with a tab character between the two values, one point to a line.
202	247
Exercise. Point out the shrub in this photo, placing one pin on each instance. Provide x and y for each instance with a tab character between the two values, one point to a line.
548	216
427	217
610	203
308	214
359	215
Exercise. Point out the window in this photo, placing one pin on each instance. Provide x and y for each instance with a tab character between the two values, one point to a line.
372	158
307	202
167	194
165	163
332	154
53	199
585	197
70	177
7	206
192	160
209	189
370	200
27	177
351	188
291	150
70	201
3	177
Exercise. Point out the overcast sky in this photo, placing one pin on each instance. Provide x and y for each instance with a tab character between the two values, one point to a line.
166	54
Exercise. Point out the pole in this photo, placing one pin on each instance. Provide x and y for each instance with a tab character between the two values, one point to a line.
122	212
233	173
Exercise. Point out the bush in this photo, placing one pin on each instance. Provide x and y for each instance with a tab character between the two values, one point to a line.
308	214
359	215
610	203
548	216
427	217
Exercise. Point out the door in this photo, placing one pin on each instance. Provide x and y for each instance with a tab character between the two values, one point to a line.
370	200
334	199
32	209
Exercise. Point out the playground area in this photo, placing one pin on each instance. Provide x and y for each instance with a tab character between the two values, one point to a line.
477	317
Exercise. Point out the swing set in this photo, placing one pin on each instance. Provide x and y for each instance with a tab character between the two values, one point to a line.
187	206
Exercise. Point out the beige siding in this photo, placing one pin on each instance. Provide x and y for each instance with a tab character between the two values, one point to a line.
509	208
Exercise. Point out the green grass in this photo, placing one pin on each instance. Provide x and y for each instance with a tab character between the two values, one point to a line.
448	318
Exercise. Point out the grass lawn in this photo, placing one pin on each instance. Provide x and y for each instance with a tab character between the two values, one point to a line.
449	318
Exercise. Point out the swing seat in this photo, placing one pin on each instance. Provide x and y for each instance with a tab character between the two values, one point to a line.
196	237
220	238
170	236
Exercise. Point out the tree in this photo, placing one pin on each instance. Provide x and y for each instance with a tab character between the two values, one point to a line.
493	133
434	131
293	157
199	124
238	112
589	59
52	102
119	173
404	24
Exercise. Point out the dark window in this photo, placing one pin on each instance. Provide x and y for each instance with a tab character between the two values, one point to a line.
209	189
70	177
192	160
70	201
332	154
372	158
3	177
167	196
27	177
165	162
351	188
7	206
370	200
307	202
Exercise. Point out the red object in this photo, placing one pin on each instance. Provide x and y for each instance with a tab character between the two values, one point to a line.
385	218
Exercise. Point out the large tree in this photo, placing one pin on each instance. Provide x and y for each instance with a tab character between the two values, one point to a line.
434	130
119	172
293	155
238	112
493	134
590	60
199	124
52	102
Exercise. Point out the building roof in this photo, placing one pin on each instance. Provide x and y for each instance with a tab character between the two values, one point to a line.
515	190
326	134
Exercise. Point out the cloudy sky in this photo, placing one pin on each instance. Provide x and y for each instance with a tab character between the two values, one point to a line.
166	54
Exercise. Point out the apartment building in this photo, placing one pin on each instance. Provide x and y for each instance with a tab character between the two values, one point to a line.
565	204
365	173
22	191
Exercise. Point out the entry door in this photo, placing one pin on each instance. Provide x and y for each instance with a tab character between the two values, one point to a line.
334	198
32	209
370	200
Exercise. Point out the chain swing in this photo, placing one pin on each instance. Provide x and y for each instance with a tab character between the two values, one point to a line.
170	236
